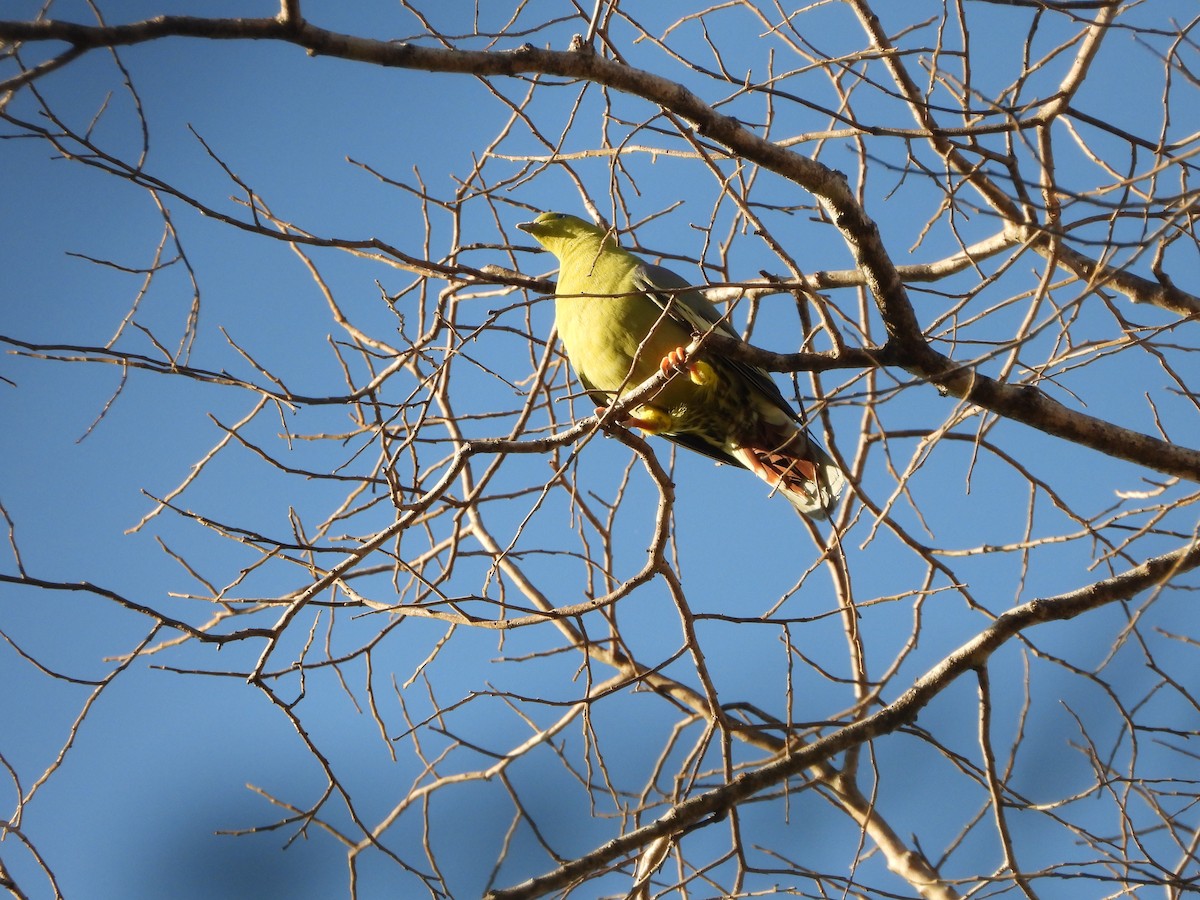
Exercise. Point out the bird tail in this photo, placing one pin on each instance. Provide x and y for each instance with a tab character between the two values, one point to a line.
800	469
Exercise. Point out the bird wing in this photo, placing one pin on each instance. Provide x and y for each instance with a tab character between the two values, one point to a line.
693	311
690	308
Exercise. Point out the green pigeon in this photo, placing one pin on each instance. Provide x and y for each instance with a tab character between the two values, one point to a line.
621	320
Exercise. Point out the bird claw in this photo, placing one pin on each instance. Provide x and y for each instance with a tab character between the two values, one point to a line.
699	372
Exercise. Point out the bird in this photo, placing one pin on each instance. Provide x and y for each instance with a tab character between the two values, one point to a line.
621	320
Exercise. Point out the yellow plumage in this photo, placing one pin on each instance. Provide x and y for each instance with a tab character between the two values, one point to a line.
621	320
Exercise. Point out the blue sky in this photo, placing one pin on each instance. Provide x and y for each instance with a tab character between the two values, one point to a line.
164	757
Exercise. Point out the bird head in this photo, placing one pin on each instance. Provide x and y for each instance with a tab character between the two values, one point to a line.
555	231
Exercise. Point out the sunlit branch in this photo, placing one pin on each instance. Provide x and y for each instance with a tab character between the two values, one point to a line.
1152	574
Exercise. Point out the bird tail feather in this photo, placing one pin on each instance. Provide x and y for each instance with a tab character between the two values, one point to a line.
800	470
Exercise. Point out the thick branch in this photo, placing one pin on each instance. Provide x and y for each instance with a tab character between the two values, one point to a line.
1153	573
828	185
1021	403
1030	405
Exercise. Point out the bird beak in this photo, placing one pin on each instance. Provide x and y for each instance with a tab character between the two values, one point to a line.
527	227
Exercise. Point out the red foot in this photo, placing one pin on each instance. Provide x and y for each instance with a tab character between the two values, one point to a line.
676	359
699	372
